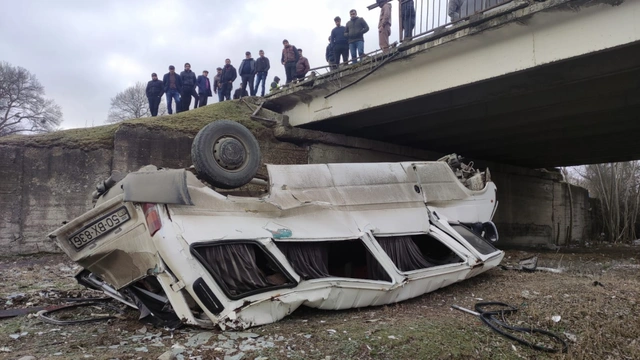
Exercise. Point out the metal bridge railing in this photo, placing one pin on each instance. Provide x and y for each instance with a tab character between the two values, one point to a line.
422	18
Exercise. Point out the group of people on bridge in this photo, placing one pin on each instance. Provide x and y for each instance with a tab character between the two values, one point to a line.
180	88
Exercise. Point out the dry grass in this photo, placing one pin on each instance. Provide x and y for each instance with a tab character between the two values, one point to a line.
604	318
101	137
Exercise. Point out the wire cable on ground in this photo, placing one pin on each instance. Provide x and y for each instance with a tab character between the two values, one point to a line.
492	319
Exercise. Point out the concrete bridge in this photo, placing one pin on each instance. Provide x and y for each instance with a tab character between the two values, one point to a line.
534	84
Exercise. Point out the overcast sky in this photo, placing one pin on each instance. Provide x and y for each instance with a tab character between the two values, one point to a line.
86	51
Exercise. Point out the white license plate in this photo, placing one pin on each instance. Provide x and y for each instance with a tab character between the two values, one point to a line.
100	227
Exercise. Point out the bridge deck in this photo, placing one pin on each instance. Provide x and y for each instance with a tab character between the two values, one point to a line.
536	86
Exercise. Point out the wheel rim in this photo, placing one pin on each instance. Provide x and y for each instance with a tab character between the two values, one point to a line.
230	153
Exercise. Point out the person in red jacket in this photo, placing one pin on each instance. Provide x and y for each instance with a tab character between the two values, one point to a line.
289	59
302	66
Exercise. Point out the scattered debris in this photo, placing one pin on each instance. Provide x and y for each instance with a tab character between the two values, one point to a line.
530	264
556	318
551	270
198	339
570	336
526	294
97	317
17	336
16	296
237	335
168	355
142	330
597	283
238	356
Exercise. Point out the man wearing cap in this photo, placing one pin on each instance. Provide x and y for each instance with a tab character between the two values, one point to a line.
172	85
155	89
189	83
217	85
204	88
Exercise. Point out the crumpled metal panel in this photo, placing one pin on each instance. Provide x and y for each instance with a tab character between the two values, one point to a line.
380	197
158	187
341	184
438	182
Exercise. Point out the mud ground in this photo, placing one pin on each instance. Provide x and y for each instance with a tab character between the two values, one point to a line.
595	297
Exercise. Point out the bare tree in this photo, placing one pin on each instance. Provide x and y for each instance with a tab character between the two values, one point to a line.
617	187
132	103
23	107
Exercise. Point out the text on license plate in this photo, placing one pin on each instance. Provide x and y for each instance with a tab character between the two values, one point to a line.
100	227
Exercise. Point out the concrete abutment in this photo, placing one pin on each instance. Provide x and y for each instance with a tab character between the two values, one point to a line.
43	187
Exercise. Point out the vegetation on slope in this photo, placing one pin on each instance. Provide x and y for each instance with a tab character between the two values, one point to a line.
100	137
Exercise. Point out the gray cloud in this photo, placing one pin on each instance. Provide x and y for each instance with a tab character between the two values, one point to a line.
85	51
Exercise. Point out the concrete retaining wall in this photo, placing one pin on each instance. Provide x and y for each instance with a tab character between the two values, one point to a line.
42	187
534	208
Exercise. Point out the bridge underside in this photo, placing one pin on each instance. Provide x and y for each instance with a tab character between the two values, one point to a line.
577	111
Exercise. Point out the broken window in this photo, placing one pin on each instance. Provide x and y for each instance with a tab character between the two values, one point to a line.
483	246
434	251
242	269
346	258
404	253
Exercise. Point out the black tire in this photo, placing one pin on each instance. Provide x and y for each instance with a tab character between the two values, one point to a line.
225	154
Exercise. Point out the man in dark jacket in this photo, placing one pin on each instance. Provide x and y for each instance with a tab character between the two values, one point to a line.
262	69
189	83
247	72
228	76
355	30
172	85
302	66
408	19
289	59
240	92
217	85
328	55
155	89
204	88
340	42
